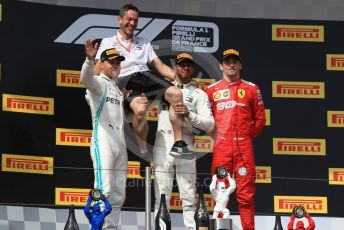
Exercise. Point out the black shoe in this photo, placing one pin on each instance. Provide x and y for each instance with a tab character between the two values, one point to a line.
180	150
143	165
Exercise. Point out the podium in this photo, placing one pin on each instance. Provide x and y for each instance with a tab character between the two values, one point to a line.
221	224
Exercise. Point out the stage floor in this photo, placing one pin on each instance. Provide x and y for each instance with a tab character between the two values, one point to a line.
28	218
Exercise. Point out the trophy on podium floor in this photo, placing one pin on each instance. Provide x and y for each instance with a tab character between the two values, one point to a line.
222	185
94	214
299	212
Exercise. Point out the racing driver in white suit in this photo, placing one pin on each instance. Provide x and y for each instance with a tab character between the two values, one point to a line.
197	113
108	149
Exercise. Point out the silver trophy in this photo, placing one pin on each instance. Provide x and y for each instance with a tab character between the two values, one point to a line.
221	172
299	211
96	194
222	185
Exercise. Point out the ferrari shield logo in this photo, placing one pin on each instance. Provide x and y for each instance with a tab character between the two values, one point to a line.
241	93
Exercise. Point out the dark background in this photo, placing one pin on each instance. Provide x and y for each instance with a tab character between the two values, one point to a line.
29	58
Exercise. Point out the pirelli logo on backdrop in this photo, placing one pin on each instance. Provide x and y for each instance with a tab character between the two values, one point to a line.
336	176
297	33
335	119
68	78
312	204
203	83
0	12
298	146
27	104
134	170
27	164
176	202
268	117
152	113
73	137
203	144
263	174
335	62
68	196
293	89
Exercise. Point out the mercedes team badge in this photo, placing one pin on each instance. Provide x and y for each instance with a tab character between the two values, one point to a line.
242	171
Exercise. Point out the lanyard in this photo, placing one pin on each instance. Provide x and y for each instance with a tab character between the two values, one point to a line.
120	43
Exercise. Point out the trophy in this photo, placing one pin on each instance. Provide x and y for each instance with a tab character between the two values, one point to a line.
221	172
222	185
94	214
299	211
96	194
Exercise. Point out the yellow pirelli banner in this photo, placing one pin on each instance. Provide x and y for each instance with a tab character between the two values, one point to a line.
0	12
203	83
134	170
335	119
268	117
298	146
335	62
336	176
71	196
263	174
68	78
203	144
312	204
73	137
295	89
27	104
27	164
152	113
176	202
298	33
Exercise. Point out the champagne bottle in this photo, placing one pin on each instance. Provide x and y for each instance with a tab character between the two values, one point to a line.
201	214
163	219
71	221
278	224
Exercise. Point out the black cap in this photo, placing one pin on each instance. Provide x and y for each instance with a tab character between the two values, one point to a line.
111	54
183	56
231	52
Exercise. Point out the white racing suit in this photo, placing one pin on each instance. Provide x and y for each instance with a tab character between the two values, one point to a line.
200	117
108	148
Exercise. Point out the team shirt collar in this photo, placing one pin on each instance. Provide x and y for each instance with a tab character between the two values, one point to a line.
183	86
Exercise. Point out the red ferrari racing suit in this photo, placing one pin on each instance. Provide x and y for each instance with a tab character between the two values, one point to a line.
239	114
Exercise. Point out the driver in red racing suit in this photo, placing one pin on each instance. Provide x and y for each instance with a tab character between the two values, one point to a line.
239	114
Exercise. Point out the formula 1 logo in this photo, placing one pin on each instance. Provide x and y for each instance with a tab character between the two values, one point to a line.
192	36
92	26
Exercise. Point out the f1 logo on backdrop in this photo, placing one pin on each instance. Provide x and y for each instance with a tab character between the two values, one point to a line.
191	36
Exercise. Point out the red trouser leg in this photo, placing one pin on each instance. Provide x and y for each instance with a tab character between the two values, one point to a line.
222	154
245	197
245	183
226	153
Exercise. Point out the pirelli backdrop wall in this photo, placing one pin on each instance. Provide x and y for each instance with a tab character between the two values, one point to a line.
46	124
